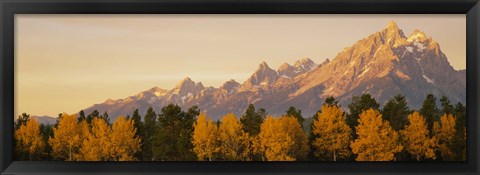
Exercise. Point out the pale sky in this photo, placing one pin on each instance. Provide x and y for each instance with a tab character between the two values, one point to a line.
65	63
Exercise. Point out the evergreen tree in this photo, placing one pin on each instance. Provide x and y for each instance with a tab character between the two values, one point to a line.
360	104
447	106
137	119
331	101
21	120
172	137
252	120
47	132
396	111
429	110
460	127
106	118
460	113
81	116
297	113
92	115
185	140
148	131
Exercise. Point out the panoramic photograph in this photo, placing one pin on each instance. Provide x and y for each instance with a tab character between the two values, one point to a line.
240	87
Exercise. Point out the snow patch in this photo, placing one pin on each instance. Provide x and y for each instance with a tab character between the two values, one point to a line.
428	79
377	51
364	72
183	98
257	99
420	46
409	49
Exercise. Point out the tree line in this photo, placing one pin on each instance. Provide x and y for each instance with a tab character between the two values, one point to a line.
366	133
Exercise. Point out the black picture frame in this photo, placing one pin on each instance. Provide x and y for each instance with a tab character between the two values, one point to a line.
8	9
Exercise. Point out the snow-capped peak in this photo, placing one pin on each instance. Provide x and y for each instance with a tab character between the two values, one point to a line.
264	74
188	86
157	91
305	64
417	35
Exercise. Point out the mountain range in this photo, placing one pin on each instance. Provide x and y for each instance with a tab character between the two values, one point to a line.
383	64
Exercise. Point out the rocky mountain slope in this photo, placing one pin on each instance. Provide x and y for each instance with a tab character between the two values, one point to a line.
383	64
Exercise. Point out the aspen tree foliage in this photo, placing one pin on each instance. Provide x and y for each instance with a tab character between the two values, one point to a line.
376	140
67	138
205	139
125	143
282	139
234	142
332	133
97	145
29	139
416	138
445	132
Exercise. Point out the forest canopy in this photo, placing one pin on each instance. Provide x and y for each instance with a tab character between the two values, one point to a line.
366	132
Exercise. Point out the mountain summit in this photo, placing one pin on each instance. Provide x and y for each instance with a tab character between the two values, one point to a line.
383	64
263	76
187	86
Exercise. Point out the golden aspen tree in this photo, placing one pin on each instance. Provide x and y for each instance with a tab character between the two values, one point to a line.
294	129
67	138
29	139
205	139
282	139
445	133
416	138
234	142
376	140
273	141
124	141
333	133
97	145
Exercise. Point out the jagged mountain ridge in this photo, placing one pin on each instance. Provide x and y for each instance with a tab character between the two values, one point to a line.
383	64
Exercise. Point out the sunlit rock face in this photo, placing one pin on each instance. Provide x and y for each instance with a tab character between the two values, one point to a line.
384	64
